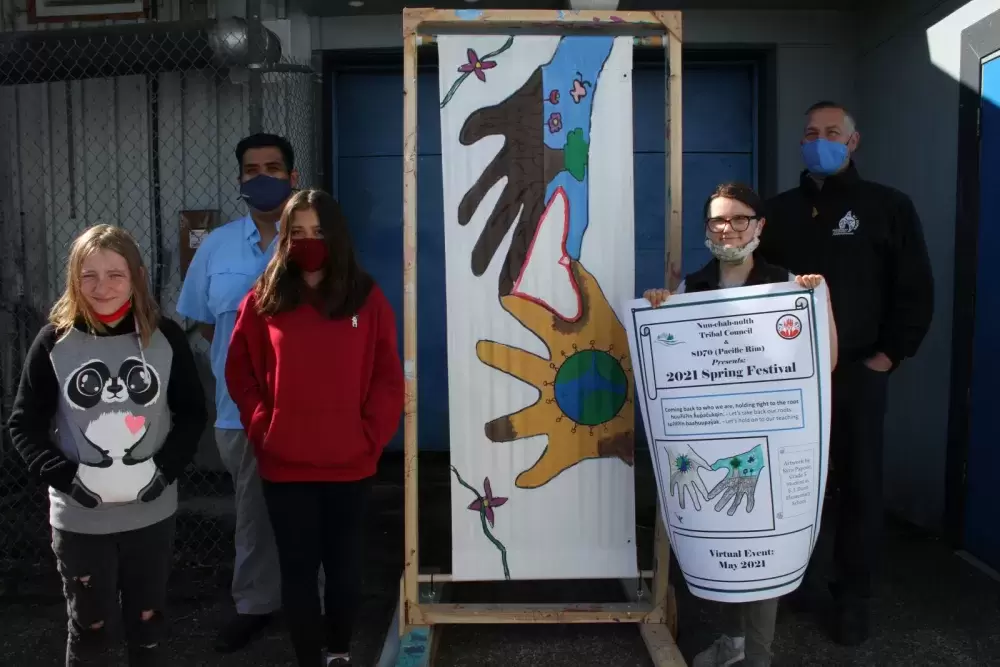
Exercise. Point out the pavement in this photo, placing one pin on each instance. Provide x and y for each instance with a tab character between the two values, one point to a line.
933	607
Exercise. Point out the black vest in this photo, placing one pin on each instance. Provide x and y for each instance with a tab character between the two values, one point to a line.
707	277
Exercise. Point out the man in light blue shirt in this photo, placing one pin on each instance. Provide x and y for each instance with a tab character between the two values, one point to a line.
223	270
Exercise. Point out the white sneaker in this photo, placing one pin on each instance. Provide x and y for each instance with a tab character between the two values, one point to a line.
724	652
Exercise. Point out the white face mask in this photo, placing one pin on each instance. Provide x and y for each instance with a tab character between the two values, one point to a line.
733	254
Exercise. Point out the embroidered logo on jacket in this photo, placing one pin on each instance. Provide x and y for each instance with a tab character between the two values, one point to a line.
847	225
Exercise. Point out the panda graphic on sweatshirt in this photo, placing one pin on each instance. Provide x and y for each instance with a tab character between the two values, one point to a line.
114	404
108	424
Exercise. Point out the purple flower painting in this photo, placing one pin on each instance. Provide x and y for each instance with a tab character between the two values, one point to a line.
555	122
485	505
477	65
487	502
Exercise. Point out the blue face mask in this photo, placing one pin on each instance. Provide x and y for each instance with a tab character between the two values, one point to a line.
824	157
265	193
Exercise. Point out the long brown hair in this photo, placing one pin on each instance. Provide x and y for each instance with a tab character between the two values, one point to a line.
344	287
72	306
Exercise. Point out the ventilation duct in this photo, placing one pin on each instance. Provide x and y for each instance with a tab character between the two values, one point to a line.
123	50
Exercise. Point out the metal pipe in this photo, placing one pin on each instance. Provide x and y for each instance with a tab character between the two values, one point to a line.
254	84
124	50
153	151
282	68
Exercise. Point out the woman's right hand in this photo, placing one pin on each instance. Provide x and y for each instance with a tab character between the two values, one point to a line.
656	297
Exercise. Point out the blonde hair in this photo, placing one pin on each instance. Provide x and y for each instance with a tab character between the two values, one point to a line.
72	306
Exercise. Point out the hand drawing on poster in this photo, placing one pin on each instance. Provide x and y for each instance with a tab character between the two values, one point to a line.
736	404
537	184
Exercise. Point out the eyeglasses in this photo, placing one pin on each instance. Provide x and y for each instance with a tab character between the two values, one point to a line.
739	223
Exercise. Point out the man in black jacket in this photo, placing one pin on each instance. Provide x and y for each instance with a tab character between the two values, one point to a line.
866	240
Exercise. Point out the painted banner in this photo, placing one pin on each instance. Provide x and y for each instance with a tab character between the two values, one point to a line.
536	142
735	396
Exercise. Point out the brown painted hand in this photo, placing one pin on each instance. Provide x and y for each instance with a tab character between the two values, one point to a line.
526	163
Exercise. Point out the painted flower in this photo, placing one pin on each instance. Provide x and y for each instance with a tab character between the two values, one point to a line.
476	66
554	96
487	502
555	122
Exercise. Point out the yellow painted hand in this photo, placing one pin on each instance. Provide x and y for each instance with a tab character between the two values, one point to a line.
585	387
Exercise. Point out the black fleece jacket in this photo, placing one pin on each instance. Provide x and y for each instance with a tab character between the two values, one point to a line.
866	240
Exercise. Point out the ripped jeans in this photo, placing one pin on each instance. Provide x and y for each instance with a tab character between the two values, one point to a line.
107	577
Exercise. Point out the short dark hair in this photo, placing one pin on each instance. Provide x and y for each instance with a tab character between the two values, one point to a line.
740	192
262	140
345	285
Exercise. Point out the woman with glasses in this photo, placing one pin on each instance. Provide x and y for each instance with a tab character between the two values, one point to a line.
732	232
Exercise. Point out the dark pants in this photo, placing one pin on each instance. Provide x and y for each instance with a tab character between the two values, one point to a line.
314	523
859	403
95	570
754	621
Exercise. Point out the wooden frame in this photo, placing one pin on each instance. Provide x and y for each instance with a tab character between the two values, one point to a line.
39	11
656	618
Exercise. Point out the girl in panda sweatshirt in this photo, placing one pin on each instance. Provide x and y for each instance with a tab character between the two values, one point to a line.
109	411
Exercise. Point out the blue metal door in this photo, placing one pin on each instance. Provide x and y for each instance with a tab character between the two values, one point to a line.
982	502
719	143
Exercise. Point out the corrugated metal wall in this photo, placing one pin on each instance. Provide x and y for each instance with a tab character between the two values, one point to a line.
73	154
77	153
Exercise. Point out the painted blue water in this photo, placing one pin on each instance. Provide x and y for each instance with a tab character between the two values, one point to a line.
575	66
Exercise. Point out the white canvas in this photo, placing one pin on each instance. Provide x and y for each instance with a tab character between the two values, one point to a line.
539	495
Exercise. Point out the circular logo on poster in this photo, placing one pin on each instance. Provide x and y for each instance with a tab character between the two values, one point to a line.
789	327
591	387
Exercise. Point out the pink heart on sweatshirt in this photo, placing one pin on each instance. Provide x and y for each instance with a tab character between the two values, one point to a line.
134	424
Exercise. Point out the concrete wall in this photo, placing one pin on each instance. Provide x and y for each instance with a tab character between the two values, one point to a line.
814	57
908	112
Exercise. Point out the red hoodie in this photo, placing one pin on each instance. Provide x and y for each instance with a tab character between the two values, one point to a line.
319	398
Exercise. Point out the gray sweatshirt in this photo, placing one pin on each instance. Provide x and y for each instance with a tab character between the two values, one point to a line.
108	424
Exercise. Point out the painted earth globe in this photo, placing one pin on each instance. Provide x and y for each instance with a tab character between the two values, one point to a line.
591	387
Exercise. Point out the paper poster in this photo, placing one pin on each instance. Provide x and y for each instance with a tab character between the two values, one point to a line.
536	147
735	398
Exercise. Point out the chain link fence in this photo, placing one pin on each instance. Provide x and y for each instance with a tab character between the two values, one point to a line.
134	126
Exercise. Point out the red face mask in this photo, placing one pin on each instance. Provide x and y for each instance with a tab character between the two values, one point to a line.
117	315
308	254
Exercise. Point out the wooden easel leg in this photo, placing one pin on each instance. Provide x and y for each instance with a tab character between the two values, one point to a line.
659	634
661	638
660	644
663	593
411	646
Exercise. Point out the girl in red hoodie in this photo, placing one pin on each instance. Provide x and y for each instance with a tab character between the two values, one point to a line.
314	371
